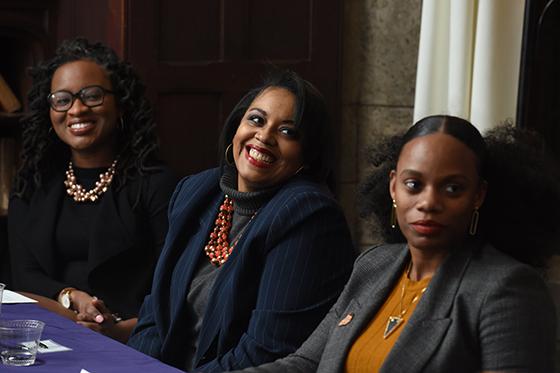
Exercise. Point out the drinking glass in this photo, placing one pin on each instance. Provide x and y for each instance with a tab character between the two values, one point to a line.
19	340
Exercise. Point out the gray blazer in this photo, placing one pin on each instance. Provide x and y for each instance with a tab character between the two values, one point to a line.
482	311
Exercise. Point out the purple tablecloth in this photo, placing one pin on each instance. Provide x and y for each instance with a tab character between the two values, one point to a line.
91	351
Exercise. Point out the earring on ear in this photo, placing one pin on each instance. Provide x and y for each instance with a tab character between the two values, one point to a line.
231	163
394	215
474	222
299	170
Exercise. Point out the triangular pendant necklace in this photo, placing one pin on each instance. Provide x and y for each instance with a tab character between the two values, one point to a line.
394	322
392	325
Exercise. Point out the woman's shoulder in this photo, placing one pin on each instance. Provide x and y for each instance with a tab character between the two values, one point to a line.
303	190
491	262
201	179
161	174
492	273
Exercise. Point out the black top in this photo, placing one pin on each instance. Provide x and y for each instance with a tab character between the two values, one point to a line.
109	247
73	227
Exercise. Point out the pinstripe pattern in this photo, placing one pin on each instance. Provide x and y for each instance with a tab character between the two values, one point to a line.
279	282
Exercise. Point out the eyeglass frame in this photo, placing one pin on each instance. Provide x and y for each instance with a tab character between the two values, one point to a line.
79	96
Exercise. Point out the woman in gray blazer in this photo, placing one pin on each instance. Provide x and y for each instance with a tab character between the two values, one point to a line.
460	293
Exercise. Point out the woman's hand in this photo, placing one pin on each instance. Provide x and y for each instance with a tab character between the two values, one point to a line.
111	325
86	307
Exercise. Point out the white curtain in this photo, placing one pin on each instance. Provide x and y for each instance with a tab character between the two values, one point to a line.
468	60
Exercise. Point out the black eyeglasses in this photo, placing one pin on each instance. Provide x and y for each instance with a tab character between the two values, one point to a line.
91	96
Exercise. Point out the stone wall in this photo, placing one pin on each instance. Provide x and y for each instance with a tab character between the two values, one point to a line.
380	49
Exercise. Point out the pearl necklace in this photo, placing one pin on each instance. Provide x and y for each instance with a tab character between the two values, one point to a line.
218	248
79	194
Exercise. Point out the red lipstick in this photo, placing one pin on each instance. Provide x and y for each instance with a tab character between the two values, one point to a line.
427	227
259	162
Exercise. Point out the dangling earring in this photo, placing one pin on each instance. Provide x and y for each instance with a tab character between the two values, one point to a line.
474	222
231	163
299	169
394	215
121	124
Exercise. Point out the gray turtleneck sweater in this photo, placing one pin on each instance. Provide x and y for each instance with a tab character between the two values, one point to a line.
245	207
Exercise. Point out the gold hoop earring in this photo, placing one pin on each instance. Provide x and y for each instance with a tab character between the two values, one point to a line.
232	162
299	169
121	124
474	222
394	215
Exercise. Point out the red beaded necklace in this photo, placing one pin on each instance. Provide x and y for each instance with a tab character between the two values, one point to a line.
218	248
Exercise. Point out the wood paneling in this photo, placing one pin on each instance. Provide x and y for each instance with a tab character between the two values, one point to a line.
191	31
280	30
99	20
218	48
195	119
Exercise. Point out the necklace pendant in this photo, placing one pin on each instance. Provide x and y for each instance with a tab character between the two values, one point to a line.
392	324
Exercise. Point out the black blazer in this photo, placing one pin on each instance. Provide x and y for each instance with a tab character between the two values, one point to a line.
124	245
284	274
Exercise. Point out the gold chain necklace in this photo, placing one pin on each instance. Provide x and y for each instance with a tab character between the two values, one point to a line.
395	321
77	191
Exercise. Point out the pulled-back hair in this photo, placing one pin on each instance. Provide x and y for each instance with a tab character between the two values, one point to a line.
521	210
310	117
43	152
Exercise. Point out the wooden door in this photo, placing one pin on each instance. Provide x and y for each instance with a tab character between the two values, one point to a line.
199	57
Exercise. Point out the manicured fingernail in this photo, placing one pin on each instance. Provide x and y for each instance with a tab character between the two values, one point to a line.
99	318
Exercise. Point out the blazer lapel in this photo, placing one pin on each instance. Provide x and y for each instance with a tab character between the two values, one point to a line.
190	223
41	242
428	324
210	324
195	250
379	281
109	240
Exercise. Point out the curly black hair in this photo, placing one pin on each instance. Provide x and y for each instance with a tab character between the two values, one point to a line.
43	151
521	210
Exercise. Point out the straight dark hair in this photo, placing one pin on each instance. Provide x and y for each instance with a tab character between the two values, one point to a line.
310	117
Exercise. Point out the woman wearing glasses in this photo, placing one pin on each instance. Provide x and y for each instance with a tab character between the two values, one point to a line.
87	216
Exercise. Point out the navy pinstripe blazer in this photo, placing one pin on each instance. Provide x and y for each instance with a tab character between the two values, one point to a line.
285	273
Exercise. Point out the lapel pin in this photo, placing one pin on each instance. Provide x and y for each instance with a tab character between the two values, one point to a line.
346	320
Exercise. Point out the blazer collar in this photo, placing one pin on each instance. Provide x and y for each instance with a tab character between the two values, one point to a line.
380	273
428	324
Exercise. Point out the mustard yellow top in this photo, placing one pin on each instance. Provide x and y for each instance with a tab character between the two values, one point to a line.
369	351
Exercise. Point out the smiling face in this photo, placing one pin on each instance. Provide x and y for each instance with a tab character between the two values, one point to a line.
436	187
266	147
89	132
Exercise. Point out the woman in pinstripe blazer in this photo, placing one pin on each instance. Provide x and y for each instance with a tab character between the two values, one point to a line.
446	300
257	250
